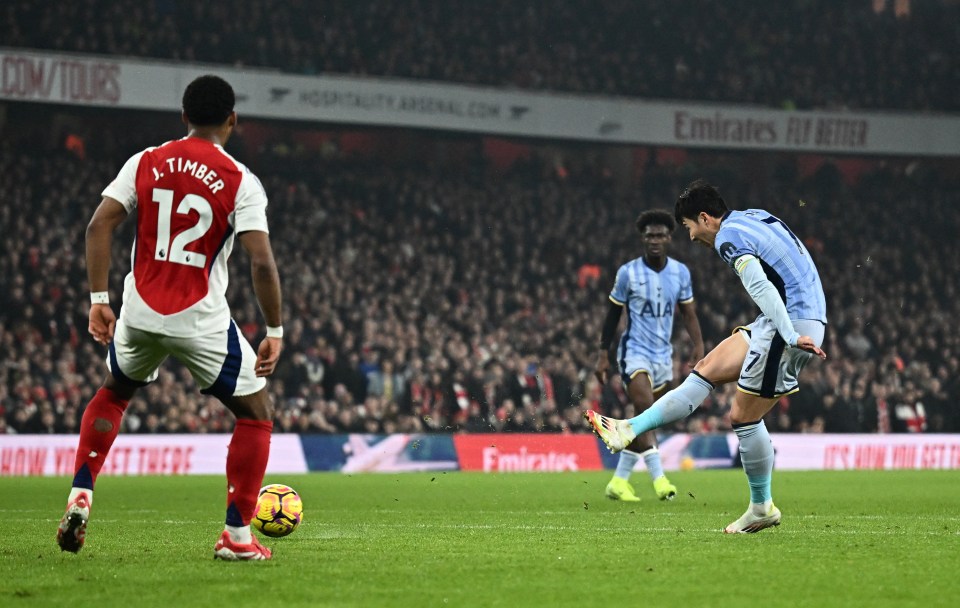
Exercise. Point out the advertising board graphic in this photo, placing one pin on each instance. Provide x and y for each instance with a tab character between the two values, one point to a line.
508	453
53	455
131	454
360	453
96	80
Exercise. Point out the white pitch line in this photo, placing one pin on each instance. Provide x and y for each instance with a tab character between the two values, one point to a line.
576	512
781	530
366	528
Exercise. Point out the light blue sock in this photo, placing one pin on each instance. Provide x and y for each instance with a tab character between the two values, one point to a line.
651	458
756	454
625	465
676	404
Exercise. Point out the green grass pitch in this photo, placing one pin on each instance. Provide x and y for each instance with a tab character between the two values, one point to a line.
461	539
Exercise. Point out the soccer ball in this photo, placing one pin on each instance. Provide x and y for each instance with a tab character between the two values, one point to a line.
279	510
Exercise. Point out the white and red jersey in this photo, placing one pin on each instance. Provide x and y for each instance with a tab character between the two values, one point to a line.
191	199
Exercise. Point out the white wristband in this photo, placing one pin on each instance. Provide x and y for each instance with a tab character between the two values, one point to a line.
99	297
275	332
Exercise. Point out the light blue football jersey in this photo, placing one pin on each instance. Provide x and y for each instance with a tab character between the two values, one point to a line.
650	297
784	259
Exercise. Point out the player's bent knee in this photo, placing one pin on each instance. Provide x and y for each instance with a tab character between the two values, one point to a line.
722	364
706	370
700	365
739	418
737	413
263	407
123	390
750	408
257	406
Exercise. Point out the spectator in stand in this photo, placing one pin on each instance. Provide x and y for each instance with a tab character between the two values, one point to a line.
910	415
484	297
939	406
839	414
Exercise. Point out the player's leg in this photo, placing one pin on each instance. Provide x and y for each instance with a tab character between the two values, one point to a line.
756	457
642	396
651	457
247	457
769	372
133	359
640	392
223	363
720	366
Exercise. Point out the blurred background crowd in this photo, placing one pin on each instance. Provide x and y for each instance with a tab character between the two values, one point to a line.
423	299
436	292
882	54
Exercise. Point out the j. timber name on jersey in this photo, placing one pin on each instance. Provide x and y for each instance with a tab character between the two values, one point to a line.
194	168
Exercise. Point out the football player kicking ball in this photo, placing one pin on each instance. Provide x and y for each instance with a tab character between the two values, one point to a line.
652	288
764	357
192	200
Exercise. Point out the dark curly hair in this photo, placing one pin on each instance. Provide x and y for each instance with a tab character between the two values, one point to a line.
208	101
656	217
699	197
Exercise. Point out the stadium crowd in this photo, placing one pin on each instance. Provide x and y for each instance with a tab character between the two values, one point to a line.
424	299
812	54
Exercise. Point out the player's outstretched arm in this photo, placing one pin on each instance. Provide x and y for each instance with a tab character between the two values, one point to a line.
266	286
99	240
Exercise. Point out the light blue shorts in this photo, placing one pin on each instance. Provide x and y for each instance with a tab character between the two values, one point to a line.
770	368
659	371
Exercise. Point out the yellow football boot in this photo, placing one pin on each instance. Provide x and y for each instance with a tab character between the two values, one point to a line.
664	489
620	489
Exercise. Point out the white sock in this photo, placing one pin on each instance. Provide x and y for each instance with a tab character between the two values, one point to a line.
625	465
239	534
74	492
673	405
651	458
756	454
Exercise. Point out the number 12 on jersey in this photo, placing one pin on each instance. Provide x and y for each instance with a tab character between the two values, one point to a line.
176	251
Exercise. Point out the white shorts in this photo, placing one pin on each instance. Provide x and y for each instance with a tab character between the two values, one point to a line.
659	371
770	368
222	363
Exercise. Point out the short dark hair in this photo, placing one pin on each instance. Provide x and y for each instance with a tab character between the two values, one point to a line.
656	217
699	197
208	101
